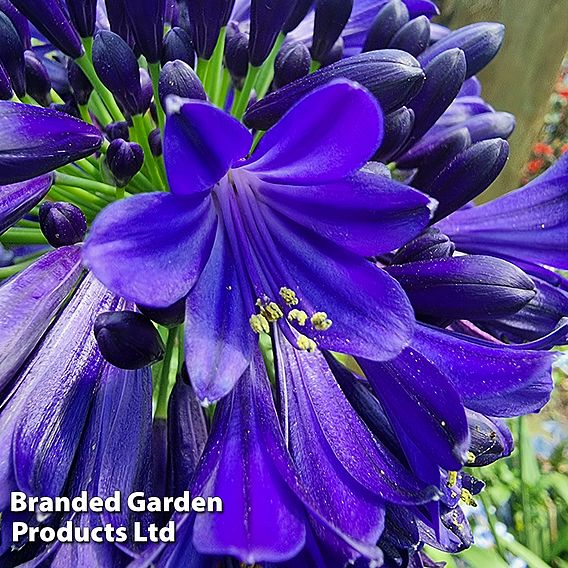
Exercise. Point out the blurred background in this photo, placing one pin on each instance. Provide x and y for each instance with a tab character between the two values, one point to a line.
521	519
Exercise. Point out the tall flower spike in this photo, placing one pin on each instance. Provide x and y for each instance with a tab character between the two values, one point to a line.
50	18
34	141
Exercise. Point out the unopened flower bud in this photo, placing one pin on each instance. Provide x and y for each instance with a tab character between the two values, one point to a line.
19	21
12	55
117	130
391	17
128	340
207	17
124	160
38	84
236	54
146	20
62	224
334	55
330	20
299	12
146	92
178	78
6	92
117	67
155	142
292	62
80	85
171	316
83	15
178	45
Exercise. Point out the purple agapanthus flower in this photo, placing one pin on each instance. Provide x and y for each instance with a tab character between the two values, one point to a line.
299	252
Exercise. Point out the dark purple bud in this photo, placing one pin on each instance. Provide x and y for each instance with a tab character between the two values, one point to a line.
393	77
432	244
490	439
386	24
480	42
18	21
62	224
6	92
434	152
146	91
334	55
38	84
207	17
464	287
178	78
178	45
267	19
155	142
413	37
68	107
83	15
490	125
397	128
172	316
12	55
128	340
445	75
51	19
117	130
80	84
236	54
117	67
299	12
330	19
292	62
146	19
470	173
118	20
124	160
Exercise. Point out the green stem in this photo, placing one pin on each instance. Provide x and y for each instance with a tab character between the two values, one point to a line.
21	236
267	73
213	78
88	167
86	64
225	86
81	196
59	194
86	184
84	112
8	271
315	66
119	192
99	109
55	97
154	69
242	97
164	385
26	99
142	139
487	505
26	223
202	65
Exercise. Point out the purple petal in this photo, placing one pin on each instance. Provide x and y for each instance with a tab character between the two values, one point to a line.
398	126
464	287
48	408
28	303
261	518
19	198
36	140
322	408
151	248
349	289
201	139
492	379
434	417
366	213
306	147
218	338
530	223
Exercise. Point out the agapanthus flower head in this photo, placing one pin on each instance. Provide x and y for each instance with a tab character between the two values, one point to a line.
315	274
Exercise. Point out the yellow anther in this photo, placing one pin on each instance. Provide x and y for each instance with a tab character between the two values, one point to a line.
289	296
452	478
298	315
271	311
467	498
470	458
320	321
306	344
259	323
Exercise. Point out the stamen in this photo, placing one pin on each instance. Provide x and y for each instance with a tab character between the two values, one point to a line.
470	458
452	478
320	321
259	324
306	344
298	315
270	310
289	296
467	498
